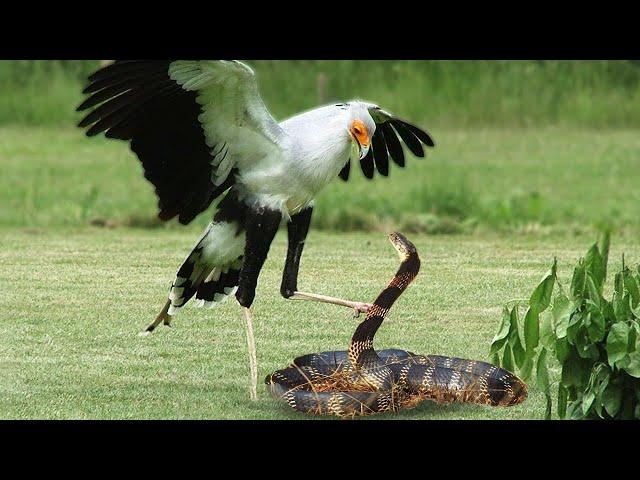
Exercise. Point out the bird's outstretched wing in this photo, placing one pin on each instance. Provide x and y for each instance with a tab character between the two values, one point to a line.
192	124
386	144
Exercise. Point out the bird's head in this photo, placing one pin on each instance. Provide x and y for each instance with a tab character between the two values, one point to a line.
361	129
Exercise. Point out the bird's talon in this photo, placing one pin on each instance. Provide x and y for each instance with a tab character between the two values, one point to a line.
361	308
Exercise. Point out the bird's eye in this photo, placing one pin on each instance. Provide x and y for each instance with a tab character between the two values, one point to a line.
357	130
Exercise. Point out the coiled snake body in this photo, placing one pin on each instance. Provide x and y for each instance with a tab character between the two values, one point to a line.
361	381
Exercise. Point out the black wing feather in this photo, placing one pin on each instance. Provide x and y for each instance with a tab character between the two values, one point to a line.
393	144
385	143
344	173
122	66
367	165
409	139
422	135
121	107
137	101
380	155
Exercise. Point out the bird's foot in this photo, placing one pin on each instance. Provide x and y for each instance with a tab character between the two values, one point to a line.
359	307
163	317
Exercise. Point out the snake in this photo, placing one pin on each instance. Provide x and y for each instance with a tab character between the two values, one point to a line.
362	381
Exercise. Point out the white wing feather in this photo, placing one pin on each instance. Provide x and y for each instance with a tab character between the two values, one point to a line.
238	128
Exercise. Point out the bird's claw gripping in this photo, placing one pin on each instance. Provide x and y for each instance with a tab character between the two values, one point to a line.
359	308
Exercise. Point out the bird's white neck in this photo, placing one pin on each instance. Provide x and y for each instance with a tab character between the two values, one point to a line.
322	146
318	146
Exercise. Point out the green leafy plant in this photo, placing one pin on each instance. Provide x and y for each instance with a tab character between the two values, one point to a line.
594	340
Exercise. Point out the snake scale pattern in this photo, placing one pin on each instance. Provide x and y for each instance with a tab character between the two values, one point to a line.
361	381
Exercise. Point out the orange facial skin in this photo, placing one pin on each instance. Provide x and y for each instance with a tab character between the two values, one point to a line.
360	133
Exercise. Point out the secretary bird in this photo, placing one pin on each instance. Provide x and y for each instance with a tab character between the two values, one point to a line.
201	131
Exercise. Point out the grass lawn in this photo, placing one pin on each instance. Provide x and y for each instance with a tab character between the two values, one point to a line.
74	300
535	179
74	297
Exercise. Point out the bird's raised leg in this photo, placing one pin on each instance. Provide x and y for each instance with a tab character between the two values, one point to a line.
298	228
261	227
358	307
163	316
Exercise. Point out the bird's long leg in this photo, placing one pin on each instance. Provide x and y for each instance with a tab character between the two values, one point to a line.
163	316
260	229
251	346
358	307
298	228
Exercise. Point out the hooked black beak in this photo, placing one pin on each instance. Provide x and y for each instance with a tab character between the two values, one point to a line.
363	150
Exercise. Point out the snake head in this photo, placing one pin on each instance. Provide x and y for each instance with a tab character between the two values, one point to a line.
402	245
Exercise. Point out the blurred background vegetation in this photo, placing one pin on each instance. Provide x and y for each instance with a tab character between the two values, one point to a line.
598	94
522	146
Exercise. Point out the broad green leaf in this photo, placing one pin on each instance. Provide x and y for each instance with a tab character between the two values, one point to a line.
519	355
633	367
633	336
547	337
584	346
635	311
514	338
527	368
607	312
541	296
603	376
575	371
562	308
507	360
619	283
576	324
574	411
494	358
542	377
621	364
562	350
542	374
612	398
577	281
592	291
595	325
587	401
514	320
562	401
531	330
632	287
501	337
621	306
594	265
617	342
605	243
598	408
597	384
